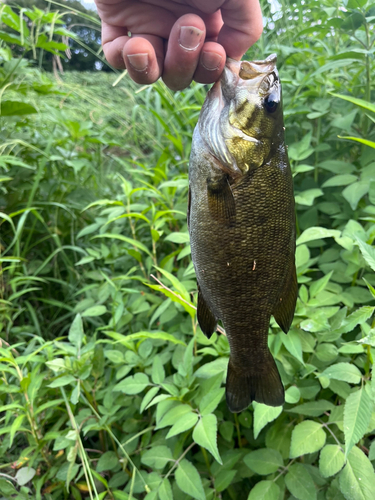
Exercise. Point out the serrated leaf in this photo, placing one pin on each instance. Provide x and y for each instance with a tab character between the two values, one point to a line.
343	371
264	414
183	424
265	490
264	461
307	437
331	460
313	408
317	233
368	252
107	461
357	415
210	401
165	490
157	456
299	483
357	479
205	434
189	481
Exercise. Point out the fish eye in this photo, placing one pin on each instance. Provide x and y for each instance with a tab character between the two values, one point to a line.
271	102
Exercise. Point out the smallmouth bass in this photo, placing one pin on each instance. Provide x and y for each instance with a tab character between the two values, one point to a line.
242	225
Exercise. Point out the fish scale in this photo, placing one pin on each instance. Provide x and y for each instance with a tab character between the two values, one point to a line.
242	229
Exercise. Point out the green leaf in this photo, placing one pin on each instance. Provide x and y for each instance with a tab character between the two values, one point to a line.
292	395
292	342
183	424
148	397
125	239
307	197
265	490
332	460
165	490
94	311
355	192
371	144
177	237
299	483
76	332
358	102
205	434
62	381
340	180
208	370
24	475
264	461
343	371
317	233
210	401
11	108
157	456
312	408
307	437
174	414
357	415
368	252
264	414
319	285
357	479
133	384
224	479
158	373
189	481
107	461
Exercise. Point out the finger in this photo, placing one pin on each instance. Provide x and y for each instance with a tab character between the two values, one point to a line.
243	26
114	39
143	56
211	63
184	46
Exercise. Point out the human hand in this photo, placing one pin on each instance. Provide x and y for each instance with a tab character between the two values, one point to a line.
177	40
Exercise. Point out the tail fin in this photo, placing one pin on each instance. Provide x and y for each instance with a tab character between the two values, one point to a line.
264	387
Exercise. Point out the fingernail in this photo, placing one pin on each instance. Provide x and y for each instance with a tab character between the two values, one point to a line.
190	37
210	60
139	62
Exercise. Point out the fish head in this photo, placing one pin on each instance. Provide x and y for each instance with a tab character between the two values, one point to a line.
242	116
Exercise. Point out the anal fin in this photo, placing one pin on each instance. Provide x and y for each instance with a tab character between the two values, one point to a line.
221	202
206	318
284	310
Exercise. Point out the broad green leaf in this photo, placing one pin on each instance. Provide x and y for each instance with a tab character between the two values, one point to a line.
299	482
368	252
292	395
189	481
208	370
205	434
24	475
317	233
210	401
319	285
355	192
133	384
175	297
62	381
94	311
307	437
331	460
357	415
10	108
312	408
107	461
157	335
264	414
178	237
340	180
264	461
292	342
184	423
224	479
307	197
76	332
265	490
165	490
157	456
174	414
125	239
148	397
343	371
158	373
357	479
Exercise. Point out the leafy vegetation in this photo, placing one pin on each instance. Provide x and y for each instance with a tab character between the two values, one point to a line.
108	388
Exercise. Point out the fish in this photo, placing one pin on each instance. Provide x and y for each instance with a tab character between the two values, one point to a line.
241	222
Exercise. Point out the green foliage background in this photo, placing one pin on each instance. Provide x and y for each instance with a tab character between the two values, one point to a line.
108	388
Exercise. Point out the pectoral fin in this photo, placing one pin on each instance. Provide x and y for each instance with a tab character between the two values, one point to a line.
284	310
206	318
221	202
